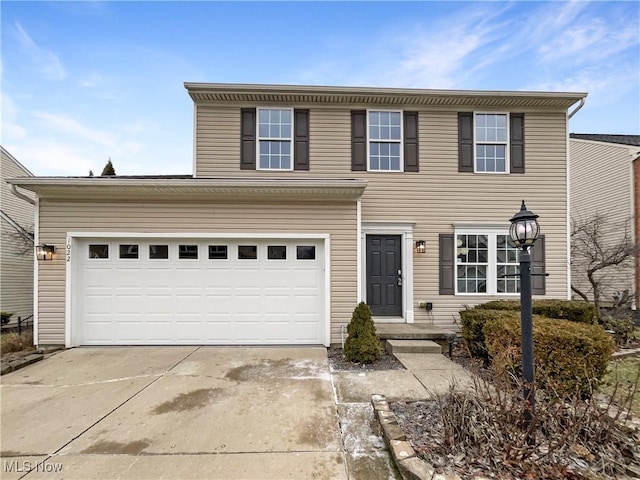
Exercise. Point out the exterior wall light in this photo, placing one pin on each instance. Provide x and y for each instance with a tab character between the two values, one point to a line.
524	231
421	246
45	252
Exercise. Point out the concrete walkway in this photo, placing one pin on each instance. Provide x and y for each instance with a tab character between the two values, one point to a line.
201	412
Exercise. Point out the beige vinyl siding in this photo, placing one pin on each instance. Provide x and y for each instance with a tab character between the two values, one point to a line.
57	218
602	183
16	256
436	197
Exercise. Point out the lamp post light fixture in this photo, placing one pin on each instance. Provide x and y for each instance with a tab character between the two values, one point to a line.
524	232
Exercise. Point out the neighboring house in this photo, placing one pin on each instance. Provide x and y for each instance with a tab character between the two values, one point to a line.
605	178
17	217
305	200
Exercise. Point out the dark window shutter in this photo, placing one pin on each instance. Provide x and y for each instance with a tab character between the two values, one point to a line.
447	263
359	140
516	148
248	139
465	142
538	280
411	142
301	139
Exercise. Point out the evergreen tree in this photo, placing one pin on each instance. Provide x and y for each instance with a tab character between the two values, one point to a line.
108	170
362	344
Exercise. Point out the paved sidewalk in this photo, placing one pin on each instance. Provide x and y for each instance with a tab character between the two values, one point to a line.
367	455
202	413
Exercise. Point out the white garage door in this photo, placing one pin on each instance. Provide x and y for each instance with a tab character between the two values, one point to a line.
197	291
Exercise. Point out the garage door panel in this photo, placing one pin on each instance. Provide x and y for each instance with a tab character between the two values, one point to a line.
200	301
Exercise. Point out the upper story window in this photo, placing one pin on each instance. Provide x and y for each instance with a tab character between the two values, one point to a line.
275	131
385	141
275	139
491	141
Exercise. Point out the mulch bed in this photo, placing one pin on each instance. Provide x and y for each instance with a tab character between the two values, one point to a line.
338	363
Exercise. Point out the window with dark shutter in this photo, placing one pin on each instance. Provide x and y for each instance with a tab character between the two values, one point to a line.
465	142
248	139
538	279
447	264
359	140
301	138
411	163
516	148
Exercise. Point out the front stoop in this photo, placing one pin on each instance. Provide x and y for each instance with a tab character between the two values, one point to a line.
394	346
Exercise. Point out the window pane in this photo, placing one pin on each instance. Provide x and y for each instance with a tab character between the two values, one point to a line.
128	251
158	252
263	131
374	133
99	251
217	252
247	252
277	252
187	252
263	116
306	252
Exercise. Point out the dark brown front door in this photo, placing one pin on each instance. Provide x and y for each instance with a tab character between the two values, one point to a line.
384	275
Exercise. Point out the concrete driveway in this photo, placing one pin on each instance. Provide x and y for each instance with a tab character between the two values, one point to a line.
173	412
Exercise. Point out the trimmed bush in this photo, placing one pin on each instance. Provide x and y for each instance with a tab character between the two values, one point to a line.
362	344
473	321
569	357
572	310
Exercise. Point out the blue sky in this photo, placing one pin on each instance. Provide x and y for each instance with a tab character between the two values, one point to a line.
85	81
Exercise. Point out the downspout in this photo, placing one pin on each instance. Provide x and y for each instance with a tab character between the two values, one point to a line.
15	191
568	217
577	108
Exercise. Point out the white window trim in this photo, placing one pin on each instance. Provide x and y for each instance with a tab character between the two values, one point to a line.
400	142
507	159
282	139
492	265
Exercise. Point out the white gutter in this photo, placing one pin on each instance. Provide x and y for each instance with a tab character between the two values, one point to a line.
22	195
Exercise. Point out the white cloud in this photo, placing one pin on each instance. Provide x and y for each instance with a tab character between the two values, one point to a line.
69	125
94	79
45	60
10	126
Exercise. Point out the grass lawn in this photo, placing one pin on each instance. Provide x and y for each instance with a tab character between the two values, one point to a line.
626	373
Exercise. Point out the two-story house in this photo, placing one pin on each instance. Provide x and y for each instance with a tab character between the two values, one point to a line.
303	201
16	241
605	189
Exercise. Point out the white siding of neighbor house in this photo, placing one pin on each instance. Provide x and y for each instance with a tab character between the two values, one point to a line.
57	218
435	198
602	184
16	255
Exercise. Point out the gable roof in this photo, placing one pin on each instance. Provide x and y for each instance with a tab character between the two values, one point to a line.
310	94
601	137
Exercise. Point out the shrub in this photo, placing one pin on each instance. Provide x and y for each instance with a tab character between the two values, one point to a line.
572	310
362	344
473	321
622	328
569	357
12	342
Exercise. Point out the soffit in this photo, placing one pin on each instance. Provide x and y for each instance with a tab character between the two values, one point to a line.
192	189
303	95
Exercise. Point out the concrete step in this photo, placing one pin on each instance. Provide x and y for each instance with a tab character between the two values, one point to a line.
412	346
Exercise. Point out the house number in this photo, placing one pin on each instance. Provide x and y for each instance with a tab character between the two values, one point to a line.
68	250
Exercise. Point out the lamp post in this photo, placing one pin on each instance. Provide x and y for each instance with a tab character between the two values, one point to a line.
524	231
